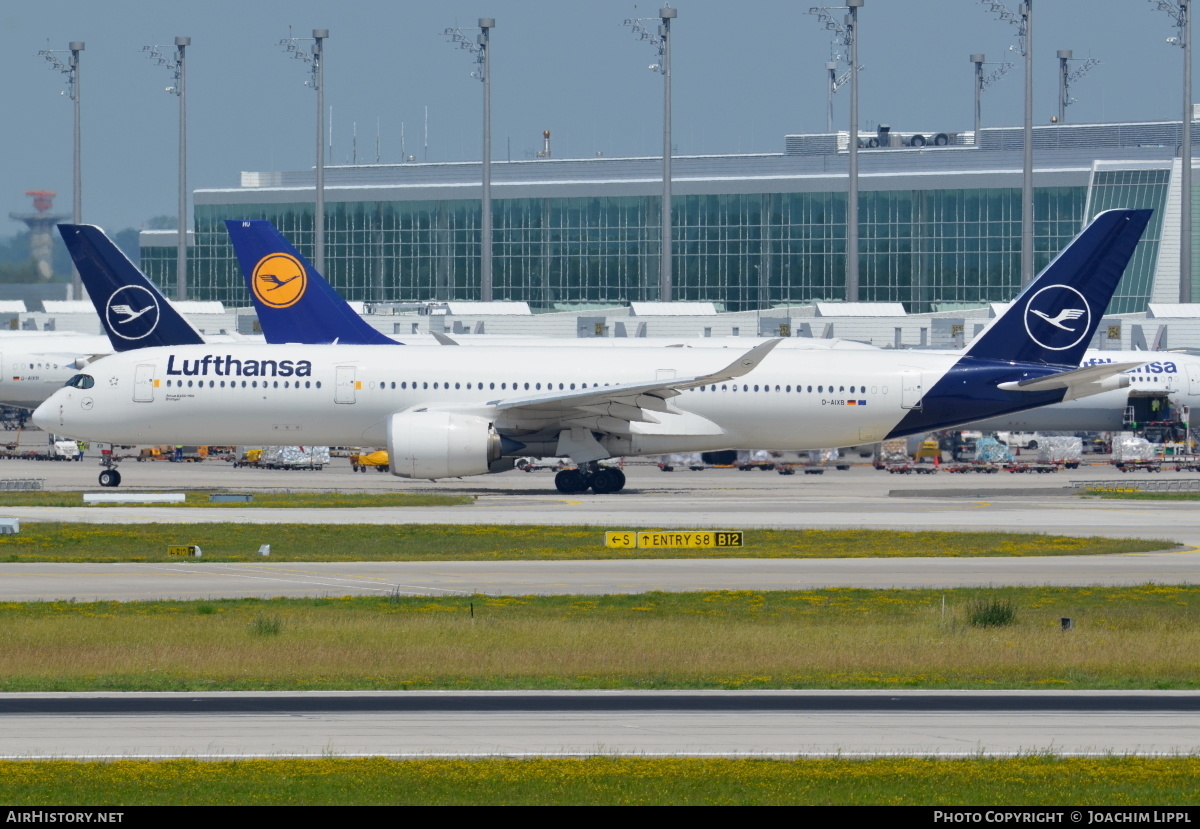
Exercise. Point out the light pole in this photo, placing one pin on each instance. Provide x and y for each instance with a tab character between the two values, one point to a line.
71	70
662	42
179	68
1180	12
482	51
1066	76
315	57
982	82
1023	20
847	31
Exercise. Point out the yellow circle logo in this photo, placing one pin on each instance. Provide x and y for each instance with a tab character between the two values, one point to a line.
279	280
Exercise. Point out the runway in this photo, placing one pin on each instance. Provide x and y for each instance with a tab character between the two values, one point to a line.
674	723
209	580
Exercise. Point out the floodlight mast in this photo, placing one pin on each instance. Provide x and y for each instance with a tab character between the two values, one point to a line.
836	82
847	33
1023	20
178	67
1180	12
71	70
982	82
1066	76
662	42
316	58
482	50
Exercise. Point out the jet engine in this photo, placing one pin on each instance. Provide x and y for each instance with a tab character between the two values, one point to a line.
441	444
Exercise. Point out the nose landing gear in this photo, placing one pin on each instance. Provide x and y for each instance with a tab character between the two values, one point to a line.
109	476
601	480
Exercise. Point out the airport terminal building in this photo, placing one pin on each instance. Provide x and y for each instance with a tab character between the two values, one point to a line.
939	225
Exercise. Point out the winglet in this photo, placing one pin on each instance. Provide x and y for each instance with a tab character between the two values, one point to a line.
742	365
295	303
1052	321
132	310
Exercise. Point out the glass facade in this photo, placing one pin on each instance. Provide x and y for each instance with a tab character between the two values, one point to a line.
921	247
1132	189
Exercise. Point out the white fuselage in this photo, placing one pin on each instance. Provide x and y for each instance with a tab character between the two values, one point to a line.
343	395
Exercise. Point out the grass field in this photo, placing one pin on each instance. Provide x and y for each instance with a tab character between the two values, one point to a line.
262	500
53	542
1026	781
1135	637
1146	496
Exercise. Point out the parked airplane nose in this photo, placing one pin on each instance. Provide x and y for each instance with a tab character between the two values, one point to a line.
48	416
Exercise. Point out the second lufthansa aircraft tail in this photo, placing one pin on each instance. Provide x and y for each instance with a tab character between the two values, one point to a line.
294	302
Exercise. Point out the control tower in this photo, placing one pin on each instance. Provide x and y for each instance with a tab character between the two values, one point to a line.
41	230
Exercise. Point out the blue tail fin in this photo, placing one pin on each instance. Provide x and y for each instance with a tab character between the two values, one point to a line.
1054	318
294	302
133	312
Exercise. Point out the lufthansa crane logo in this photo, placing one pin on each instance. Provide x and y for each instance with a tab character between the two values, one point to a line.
131	312
1057	317
279	280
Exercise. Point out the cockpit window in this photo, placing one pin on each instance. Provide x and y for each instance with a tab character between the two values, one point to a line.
81	381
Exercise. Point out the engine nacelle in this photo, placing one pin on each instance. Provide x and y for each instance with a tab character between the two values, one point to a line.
440	445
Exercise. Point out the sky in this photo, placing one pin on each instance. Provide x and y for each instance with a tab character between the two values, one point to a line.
744	76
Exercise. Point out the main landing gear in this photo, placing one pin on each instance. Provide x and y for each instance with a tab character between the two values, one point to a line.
601	480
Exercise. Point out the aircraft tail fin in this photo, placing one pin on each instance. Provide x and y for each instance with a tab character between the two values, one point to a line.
295	303
132	310
1053	319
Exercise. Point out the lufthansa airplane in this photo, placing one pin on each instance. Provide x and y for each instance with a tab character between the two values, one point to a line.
451	412
316	313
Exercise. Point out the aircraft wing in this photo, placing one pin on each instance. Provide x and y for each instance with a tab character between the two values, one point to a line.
578	414
1079	382
636	397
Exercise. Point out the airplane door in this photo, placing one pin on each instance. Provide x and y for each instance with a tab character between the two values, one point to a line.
912	388
143	383
344	385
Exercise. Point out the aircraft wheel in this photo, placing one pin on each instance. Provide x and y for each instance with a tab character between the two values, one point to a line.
571	482
110	477
607	481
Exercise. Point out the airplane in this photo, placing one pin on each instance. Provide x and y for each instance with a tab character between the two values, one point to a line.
318	314
453	412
